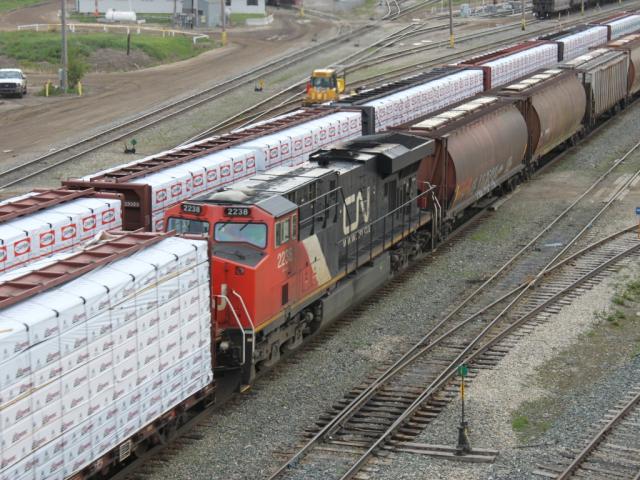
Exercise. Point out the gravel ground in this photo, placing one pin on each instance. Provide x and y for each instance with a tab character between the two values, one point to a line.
248	432
567	374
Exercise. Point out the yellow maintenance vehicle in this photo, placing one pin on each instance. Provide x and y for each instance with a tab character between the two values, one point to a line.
325	85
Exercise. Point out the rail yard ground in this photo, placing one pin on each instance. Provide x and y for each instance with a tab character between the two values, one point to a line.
35	125
545	395
555	383
117	96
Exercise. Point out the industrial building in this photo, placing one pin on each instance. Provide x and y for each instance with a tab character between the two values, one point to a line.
208	9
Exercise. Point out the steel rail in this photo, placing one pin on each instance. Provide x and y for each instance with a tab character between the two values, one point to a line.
298	84
413	355
595	441
419	348
218	90
229	123
465	356
444	43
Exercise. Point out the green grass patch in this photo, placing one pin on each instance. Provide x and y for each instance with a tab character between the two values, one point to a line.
491	233
632	291
241	18
519	423
30	48
618	300
8	5
368	8
605	347
532	419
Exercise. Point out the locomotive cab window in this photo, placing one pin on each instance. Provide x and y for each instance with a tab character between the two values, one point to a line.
186	225
283	231
323	82
246	232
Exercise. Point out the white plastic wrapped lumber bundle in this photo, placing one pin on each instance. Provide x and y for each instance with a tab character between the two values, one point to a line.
204	174
406	105
290	146
56	229
87	364
579	43
624	25
519	64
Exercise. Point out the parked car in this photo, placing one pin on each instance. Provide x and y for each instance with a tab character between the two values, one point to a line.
12	82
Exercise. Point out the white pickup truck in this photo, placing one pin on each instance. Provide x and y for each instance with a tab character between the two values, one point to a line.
12	82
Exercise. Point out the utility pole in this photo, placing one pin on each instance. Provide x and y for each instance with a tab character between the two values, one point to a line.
582	7
451	38
196	17
64	81
223	21
524	22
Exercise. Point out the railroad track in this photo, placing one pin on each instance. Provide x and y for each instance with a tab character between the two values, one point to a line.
393	10
288	98
613	452
396	406
278	103
12	176
390	410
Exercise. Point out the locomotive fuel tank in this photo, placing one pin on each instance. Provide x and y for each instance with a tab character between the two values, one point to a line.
479	145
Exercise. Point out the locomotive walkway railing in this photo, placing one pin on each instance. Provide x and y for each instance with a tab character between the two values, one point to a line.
388	230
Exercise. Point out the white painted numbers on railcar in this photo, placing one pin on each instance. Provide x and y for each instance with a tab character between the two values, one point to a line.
284	258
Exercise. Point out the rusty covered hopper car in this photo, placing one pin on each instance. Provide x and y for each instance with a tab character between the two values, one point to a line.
553	104
631	45
480	144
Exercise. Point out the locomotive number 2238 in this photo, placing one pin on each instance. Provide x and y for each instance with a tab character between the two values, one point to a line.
285	257
237	211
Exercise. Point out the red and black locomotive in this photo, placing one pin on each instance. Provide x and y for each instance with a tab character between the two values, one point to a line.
295	247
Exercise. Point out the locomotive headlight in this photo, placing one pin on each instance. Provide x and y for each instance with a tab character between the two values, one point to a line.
224	346
239	271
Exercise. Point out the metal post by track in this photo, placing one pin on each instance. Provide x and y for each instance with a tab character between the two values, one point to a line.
463	446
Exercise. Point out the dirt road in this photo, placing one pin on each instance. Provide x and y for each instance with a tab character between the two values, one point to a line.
35	125
46	12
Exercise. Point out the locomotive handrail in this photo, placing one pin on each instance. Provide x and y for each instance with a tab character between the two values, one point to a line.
235	315
315	213
370	227
253	328
394	211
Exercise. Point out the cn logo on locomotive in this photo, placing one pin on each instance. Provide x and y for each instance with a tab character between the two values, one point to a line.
362	206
